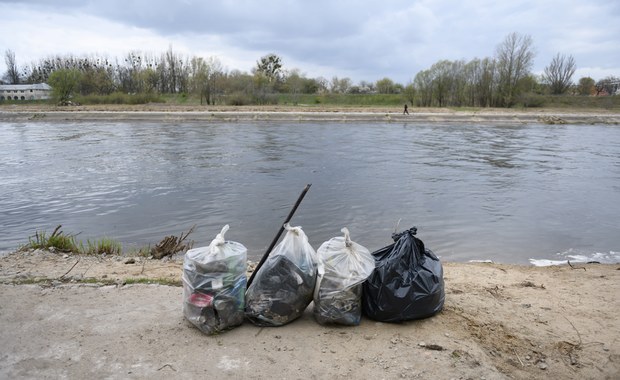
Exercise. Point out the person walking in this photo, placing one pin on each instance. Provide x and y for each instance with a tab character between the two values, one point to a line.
406	112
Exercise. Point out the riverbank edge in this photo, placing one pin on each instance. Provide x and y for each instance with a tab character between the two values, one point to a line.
49	267
498	117
499	321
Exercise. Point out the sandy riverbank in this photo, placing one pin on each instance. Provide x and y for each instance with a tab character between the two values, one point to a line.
66	316
176	113
77	317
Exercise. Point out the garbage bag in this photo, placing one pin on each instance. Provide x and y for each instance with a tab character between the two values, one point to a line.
343	266
283	286
214	283
407	282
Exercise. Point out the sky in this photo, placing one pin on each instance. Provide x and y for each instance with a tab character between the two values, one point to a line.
362	40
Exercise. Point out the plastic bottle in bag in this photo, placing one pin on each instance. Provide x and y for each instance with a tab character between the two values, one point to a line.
343	266
282	288
214	283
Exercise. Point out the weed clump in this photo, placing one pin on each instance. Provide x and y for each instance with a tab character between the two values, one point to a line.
58	241
101	246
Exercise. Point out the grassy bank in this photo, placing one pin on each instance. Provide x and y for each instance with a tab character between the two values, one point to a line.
398	100
317	101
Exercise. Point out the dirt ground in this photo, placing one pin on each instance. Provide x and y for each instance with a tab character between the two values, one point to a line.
300	113
65	316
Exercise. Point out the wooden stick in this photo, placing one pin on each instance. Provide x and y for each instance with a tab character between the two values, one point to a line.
275	240
70	269
517	355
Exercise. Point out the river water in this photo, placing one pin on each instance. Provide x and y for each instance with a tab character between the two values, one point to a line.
476	192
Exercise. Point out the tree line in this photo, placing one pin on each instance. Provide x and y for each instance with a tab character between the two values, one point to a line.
502	80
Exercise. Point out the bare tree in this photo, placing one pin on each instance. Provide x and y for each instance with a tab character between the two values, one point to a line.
344	84
12	72
514	56
202	77
558	75
610	85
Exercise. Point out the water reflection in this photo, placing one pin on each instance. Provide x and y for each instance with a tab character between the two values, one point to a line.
475	192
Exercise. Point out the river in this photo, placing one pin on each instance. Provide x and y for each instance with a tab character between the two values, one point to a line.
476	192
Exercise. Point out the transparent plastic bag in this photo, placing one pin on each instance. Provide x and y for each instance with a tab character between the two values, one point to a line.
343	266
214	283
282	288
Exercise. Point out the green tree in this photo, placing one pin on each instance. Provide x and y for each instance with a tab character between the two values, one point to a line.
409	93
558	75
294	84
203	75
149	79
423	83
96	80
64	83
270	66
485	82
442	82
585	86
385	86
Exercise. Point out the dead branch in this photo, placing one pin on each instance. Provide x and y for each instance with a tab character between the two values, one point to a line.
56	230
577	331
574	267
73	266
171	245
517	355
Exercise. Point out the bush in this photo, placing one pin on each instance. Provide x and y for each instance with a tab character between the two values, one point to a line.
238	99
531	100
120	98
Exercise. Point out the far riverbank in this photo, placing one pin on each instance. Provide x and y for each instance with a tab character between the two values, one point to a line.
177	113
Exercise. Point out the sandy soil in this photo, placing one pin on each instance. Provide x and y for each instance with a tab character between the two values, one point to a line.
65	316
181	113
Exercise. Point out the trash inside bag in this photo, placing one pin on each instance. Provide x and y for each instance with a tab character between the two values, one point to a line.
407	282
214	283
343	266
282	288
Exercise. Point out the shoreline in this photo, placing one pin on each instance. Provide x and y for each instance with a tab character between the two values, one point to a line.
72	316
13	113
75	316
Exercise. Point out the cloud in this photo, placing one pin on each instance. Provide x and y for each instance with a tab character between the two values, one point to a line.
364	40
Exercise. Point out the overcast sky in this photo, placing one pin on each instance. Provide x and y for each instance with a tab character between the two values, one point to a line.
362	39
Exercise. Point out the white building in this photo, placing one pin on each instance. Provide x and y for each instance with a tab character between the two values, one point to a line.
25	91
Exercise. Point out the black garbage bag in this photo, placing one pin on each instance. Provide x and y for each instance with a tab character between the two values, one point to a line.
407	282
